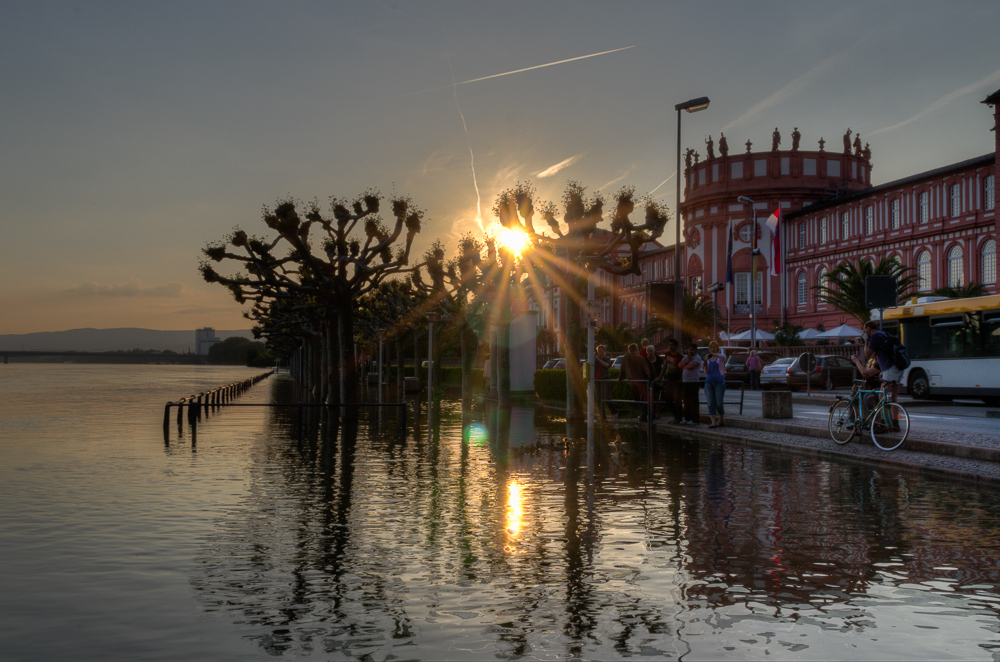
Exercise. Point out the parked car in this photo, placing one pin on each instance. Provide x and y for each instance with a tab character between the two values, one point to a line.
617	363
830	372
736	365
775	375
550	364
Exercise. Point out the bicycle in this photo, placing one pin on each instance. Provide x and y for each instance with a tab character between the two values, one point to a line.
887	422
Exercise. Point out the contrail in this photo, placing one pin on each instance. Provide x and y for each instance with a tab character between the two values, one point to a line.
542	66
472	157
944	101
548	172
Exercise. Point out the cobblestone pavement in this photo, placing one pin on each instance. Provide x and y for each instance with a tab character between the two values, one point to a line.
973	458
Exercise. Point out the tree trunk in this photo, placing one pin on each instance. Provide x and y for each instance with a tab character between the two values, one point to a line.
468	340
575	392
348	369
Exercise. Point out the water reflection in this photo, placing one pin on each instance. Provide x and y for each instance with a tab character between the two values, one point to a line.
500	533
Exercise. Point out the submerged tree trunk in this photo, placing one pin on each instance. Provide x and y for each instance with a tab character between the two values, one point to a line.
348	368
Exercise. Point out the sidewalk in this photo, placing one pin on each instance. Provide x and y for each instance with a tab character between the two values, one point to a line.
971	458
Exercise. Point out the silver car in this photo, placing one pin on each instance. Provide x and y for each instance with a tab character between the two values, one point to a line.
776	374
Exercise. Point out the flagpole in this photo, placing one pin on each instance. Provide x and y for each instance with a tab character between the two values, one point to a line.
753	270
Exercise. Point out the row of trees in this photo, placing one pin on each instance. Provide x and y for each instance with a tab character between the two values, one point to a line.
325	280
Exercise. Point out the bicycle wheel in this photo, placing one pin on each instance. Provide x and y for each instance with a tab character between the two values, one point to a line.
890	426
843	421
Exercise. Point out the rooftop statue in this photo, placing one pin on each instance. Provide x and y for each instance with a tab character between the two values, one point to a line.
847	141
748	146
857	144
710	148
723	145
796	136
775	140
867	153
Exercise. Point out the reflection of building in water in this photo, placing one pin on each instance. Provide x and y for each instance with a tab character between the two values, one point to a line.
203	339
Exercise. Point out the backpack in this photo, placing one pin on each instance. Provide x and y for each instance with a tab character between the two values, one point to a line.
898	354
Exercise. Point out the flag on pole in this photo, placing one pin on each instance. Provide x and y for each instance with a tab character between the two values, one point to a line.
729	254
774	224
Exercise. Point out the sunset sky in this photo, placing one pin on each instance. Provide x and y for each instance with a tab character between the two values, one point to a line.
133	133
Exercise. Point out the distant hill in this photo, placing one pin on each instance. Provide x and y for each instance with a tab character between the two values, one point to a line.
109	340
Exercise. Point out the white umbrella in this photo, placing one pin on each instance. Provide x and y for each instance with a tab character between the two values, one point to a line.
809	334
841	332
745	335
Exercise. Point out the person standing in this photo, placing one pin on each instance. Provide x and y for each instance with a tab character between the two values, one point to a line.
880	346
754	366
715	385
690	366
671	377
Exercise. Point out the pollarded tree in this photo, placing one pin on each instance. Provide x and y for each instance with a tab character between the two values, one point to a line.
845	286
578	249
321	262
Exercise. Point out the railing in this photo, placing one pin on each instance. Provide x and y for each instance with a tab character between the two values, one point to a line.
731	387
202	403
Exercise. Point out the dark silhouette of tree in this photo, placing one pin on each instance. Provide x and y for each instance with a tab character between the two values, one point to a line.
966	291
317	264
578	249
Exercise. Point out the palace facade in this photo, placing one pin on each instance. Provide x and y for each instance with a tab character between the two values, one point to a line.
941	223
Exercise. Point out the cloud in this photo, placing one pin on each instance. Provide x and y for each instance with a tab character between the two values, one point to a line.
134	288
562	165
618	179
978	86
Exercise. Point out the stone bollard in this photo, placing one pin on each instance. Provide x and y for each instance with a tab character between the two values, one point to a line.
776	404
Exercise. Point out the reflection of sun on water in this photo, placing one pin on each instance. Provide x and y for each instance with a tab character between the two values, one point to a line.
514	498
513	240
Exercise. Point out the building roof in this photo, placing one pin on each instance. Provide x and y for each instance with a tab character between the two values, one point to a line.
993	98
986	159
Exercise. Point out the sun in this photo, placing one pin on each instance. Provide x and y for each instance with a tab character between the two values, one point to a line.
513	240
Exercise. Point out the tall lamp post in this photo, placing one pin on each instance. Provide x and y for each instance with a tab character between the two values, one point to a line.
691	106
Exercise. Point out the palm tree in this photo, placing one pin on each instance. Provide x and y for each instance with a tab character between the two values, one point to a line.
845	286
700	317
962	291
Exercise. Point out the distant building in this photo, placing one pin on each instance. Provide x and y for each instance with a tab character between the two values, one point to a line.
203	339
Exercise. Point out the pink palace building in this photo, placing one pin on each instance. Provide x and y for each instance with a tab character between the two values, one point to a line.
942	223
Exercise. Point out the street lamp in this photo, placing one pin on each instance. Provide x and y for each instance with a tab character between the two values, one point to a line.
714	289
691	106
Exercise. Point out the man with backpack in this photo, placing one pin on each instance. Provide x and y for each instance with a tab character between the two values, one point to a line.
881	346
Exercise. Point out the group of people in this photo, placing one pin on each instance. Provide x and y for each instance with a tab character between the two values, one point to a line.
674	379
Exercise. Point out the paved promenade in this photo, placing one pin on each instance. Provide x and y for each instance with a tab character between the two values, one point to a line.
956	454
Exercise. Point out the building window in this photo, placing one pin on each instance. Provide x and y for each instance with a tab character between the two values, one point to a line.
802	235
894	213
743	288
988	260
924	271
845	225
824	278
956	199
635	310
869	220
625	311
925	207
989	192
802	289
956	267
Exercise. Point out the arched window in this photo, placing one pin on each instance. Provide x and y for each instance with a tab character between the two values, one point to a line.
956	267
924	271
803	289
824	278
988	262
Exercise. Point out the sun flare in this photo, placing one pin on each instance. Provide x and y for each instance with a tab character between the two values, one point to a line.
513	240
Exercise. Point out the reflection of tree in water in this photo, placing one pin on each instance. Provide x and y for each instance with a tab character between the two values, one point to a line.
359	542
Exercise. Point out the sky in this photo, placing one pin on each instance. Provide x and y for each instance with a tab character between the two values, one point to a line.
134	133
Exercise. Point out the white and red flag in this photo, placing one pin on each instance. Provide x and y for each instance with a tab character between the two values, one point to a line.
774	224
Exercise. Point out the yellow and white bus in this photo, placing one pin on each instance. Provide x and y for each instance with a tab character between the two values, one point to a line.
954	346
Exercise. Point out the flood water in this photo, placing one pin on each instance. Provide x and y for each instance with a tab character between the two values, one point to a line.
483	535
